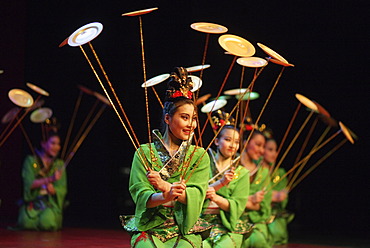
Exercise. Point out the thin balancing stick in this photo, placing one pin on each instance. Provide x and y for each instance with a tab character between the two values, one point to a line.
309	155
136	145
10	123
71	124
303	147
317	164
83	126
83	136
17	123
113	91
27	139
323	135
219	92
289	127
144	75
269	96
292	142
225	169
204	55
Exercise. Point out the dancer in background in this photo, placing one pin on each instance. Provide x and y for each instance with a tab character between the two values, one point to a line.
44	188
228	194
258	208
167	207
278	228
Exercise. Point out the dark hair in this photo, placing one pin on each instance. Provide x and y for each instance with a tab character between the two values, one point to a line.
255	132
227	127
170	108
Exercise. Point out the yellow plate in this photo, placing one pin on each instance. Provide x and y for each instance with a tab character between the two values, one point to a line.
37	89
210	28
307	102
21	98
272	53
139	12
346	132
236	45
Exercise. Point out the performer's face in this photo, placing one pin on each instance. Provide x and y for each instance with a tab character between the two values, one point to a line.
183	122
270	151
255	148
228	143
52	146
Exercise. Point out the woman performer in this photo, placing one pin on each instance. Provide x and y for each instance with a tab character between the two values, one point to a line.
278	228
167	207
229	194
258	208
44	188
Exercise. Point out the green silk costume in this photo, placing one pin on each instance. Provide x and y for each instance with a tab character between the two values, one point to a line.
278	228
224	223
168	223
260	236
40	210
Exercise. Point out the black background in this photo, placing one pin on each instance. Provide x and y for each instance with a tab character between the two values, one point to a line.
325	40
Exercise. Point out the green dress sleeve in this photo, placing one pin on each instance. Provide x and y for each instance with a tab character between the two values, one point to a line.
237	194
30	171
60	185
262	181
141	190
196	187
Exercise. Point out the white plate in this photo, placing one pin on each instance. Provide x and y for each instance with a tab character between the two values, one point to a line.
213	105
236	45
21	98
139	12
237	91
155	80
272	53
10	115
102	98
85	34
197	82
346	132
210	28
307	102
40	115
197	68
248	96
37	89
253	62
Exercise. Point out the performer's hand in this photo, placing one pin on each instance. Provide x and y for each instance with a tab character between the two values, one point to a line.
210	193
279	196
50	188
177	189
228	176
57	175
155	179
258	197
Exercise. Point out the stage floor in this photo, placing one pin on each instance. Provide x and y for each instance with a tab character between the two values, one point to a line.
96	238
